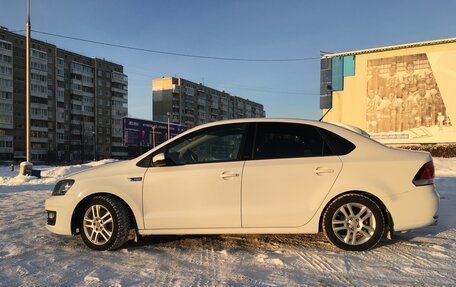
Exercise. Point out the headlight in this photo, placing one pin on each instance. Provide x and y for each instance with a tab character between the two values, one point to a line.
62	187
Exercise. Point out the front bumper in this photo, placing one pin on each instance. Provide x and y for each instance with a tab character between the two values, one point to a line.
414	209
63	206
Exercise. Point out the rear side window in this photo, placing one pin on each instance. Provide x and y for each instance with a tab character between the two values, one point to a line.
286	140
338	144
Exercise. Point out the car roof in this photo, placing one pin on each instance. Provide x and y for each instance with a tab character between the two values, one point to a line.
255	120
329	125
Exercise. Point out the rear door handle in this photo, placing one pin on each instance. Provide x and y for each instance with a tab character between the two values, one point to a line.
228	174
323	170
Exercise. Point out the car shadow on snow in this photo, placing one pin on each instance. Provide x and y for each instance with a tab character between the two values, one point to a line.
234	241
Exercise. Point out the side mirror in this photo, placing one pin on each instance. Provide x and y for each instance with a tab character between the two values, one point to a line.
159	160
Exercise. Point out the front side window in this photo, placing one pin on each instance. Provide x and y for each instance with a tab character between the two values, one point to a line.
286	140
214	144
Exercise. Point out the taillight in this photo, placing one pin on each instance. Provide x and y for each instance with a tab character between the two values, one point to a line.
425	175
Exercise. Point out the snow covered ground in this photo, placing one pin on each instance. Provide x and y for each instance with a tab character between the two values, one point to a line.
32	256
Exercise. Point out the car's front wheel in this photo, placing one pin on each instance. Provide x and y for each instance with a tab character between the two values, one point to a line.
105	223
353	222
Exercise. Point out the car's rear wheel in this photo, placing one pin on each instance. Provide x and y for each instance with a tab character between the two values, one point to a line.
105	223
353	222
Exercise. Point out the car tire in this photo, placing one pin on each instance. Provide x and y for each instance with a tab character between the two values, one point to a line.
353	222
105	223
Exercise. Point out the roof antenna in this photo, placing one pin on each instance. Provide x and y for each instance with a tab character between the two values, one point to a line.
325	114
328	87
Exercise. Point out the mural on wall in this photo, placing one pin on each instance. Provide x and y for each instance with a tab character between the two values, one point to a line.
403	99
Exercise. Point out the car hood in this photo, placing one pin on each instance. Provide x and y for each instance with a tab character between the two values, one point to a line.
101	170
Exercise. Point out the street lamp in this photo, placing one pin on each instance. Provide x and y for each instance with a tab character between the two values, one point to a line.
27	165
153	135
94	147
168	114
82	142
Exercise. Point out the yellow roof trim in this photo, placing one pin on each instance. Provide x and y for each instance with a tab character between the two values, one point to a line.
395	47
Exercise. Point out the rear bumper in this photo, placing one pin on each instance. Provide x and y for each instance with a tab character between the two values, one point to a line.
414	209
63	208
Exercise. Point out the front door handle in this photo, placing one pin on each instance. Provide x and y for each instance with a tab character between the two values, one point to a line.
323	170
228	174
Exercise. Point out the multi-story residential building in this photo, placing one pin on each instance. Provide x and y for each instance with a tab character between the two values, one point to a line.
192	104
6	99
77	103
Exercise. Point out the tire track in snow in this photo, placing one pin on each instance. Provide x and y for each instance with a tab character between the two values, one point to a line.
321	265
315	262
411	256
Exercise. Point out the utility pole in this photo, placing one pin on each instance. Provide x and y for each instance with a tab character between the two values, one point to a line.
27	166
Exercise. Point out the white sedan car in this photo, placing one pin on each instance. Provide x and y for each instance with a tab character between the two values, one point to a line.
252	176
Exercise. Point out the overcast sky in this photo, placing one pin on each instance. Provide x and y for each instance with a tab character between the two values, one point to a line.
241	29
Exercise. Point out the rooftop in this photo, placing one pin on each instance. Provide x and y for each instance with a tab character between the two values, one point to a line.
389	48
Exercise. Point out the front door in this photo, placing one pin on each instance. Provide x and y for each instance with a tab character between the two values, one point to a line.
200	185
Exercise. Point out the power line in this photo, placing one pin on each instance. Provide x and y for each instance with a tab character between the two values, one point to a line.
273	91
245	88
175	53
237	87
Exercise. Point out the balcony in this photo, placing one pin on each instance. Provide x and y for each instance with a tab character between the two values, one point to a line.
118	77
82	69
76	92
76	102
38	129
119	153
39	139
118	90
39	94
75	122
39	151
76	112
39	117
60	98
88	84
8	140
117	144
88	113
75	132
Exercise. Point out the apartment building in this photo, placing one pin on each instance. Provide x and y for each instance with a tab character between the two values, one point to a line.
77	103
192	104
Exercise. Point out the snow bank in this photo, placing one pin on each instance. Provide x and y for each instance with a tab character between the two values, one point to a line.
49	174
445	167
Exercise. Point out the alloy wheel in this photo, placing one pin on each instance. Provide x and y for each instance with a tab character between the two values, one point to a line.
353	223
98	224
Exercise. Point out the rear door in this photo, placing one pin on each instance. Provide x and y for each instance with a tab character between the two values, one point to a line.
291	171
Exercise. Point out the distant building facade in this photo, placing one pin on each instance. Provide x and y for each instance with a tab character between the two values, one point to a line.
76	102
192	104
